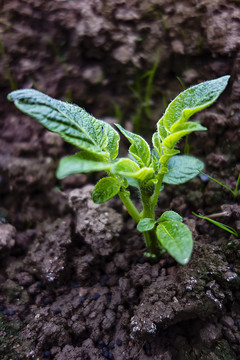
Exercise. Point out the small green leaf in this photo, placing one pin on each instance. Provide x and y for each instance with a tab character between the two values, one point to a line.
192	100
154	160
180	131
166	157
82	162
149	255
128	168
139	149
182	168
151	182
113	139
144	174
156	140
163	170
176	238
170	215
146	224
161	129
71	122
105	189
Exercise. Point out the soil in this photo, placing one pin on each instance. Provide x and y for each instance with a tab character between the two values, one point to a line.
74	283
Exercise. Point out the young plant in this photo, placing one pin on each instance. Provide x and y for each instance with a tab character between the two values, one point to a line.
234	192
145	168
142	90
219	224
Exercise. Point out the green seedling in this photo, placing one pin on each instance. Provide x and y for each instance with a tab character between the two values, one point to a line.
146	169
219	224
234	192
142	90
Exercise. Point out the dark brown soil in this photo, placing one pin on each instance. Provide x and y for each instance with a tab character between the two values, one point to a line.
73	282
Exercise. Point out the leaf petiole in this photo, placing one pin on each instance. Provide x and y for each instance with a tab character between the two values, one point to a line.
132	210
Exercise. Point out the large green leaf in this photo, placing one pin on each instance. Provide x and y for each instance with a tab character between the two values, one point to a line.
190	101
176	238
180	131
105	189
139	149
182	168
71	122
82	162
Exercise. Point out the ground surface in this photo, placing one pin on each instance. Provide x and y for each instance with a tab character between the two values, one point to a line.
74	282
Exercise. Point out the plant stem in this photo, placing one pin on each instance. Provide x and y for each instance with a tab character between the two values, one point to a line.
149	204
155	195
150	236
133	212
151	241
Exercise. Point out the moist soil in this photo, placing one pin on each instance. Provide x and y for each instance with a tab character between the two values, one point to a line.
74	283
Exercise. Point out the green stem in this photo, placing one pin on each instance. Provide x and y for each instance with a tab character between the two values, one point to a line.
151	241
155	195
149	205
133	212
149	212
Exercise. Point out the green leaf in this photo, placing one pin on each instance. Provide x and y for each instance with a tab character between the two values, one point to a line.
139	149
166	157
163	170
182	168
176	238
128	168
71	122
161	129
180	131
125	166
149	255
170	215
154	160
113	139
105	189
156	140
144	174
82	162
146	224
192	100
132	182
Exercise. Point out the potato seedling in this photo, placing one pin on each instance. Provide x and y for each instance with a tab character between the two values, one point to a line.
146	169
